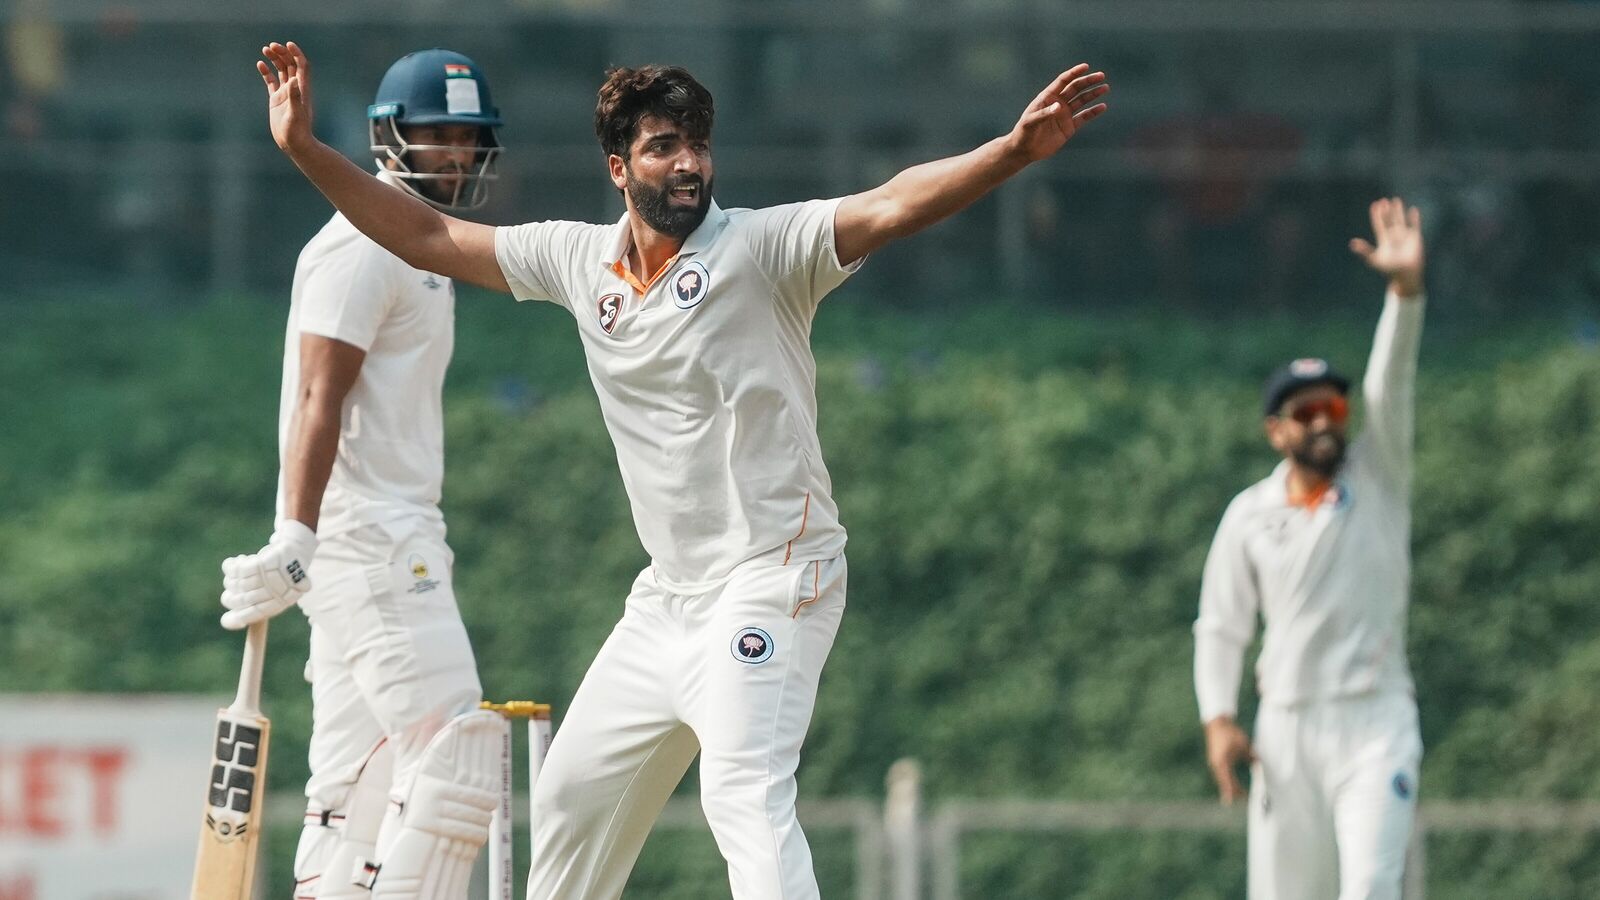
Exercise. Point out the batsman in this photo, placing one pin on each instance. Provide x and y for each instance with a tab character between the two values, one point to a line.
404	769
1320	549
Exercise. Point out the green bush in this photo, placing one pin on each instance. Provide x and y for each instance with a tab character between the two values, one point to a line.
1029	498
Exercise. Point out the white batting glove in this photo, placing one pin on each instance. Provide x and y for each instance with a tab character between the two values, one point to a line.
261	585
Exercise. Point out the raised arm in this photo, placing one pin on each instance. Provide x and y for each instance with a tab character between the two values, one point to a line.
1389	387
424	237
923	195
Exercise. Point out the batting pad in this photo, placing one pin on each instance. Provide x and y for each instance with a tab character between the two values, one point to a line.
445	820
337	842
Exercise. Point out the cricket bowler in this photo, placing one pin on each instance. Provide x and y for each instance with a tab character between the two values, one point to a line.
404	768
1320	549
695	321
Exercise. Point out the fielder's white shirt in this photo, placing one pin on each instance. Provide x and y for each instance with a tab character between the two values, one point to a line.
706	380
1331	582
390	462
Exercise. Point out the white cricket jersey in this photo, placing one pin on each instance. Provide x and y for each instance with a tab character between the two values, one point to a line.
390	462
706	380
1332	582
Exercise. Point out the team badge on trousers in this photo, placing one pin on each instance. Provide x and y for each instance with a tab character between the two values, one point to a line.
419	572
752	645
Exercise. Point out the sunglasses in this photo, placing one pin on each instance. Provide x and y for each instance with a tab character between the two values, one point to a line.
1337	409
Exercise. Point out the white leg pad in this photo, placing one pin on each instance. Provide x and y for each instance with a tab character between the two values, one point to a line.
338	839
445	819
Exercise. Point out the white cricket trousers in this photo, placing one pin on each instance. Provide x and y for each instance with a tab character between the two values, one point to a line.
1333	798
390	660
732	674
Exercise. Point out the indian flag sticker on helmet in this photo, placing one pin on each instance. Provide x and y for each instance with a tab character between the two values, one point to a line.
461	91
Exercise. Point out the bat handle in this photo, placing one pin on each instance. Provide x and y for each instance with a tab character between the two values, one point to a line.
248	700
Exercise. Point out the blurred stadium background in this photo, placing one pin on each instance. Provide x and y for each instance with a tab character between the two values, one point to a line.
1034	414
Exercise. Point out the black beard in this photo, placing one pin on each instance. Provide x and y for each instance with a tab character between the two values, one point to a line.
437	190
441	191
1321	458
655	206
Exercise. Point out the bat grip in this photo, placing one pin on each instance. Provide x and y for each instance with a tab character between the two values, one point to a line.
248	700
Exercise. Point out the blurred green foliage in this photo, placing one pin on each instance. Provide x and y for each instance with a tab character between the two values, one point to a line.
1029	497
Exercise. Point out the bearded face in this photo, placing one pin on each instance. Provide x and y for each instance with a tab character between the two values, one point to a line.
1320	451
444	164
666	175
1310	429
675	207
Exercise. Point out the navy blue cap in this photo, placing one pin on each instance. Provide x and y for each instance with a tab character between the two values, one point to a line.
434	87
1302	373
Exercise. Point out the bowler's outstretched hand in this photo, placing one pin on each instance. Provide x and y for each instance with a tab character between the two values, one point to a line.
1069	103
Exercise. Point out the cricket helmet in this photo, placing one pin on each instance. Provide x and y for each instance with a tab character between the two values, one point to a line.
435	87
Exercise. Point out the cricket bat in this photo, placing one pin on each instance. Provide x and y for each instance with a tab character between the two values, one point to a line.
224	867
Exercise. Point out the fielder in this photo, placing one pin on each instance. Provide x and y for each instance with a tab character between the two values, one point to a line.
696	324
404	769
1321	550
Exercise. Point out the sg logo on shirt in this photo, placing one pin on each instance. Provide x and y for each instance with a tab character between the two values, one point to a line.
610	310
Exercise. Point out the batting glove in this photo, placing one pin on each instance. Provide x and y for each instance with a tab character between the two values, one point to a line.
261	585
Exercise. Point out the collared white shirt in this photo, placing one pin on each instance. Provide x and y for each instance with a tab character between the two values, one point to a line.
706	379
1331	581
390	461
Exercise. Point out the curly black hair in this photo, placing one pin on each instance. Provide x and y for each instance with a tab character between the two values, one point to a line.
629	95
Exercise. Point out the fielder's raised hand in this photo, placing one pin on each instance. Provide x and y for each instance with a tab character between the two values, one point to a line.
1398	253
287	74
1070	102
261	585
